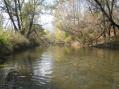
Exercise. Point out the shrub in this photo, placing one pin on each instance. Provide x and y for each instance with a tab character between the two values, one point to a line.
10	40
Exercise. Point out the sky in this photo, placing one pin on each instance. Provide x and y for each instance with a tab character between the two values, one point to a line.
46	21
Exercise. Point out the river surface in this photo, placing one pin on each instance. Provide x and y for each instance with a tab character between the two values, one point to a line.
61	68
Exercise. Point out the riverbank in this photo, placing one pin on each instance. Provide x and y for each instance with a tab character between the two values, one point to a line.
11	42
109	45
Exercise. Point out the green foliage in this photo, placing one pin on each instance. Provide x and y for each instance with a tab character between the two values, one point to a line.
9	40
4	37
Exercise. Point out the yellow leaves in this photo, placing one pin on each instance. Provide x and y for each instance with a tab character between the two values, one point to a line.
68	39
60	36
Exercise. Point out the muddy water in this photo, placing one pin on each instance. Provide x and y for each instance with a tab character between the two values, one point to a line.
61	68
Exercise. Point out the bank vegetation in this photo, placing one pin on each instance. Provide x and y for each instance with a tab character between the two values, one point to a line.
89	22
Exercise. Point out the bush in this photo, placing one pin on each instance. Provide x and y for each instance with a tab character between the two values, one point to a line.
4	38
10	40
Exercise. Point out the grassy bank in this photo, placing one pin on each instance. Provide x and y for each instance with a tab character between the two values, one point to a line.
13	41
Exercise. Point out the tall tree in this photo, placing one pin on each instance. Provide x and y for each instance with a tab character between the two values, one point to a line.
22	13
109	10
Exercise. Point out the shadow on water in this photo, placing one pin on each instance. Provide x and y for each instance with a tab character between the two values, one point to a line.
61	68
2	60
11	79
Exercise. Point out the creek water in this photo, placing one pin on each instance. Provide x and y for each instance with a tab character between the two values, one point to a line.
61	68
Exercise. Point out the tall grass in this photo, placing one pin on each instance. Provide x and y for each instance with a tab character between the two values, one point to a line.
4	37
10	40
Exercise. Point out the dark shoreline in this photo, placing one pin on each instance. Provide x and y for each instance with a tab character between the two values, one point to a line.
6	52
109	45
